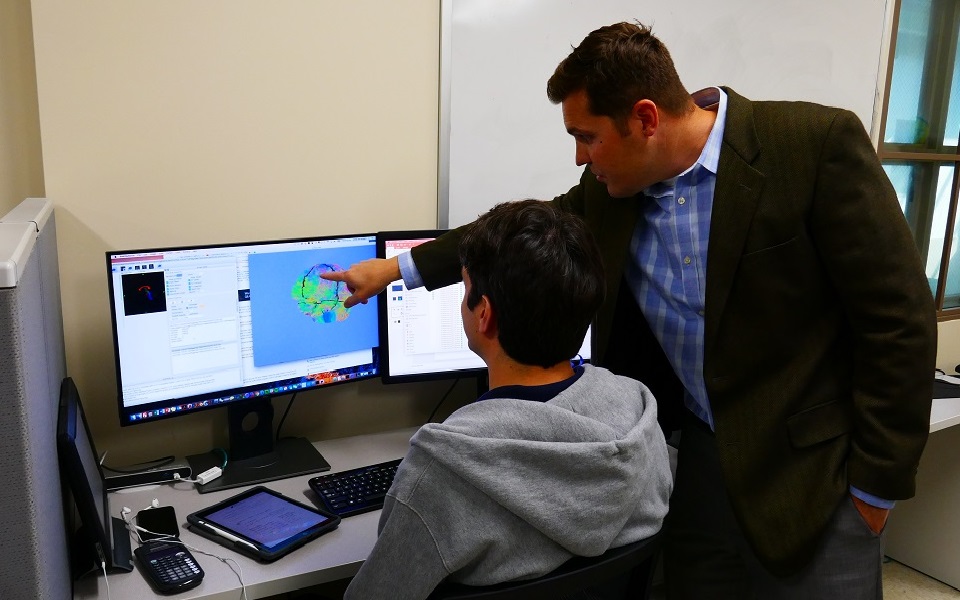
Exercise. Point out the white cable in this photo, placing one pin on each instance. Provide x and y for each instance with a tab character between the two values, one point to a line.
136	529
203	478
238	571
167	537
103	565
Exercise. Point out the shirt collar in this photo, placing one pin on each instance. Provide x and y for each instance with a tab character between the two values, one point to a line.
709	98
535	393
712	98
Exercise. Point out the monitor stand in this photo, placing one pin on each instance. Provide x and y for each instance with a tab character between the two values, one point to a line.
254	456
86	553
121	554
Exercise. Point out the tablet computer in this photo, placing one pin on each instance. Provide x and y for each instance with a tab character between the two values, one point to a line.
262	523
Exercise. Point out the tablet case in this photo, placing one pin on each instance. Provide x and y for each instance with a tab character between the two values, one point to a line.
196	523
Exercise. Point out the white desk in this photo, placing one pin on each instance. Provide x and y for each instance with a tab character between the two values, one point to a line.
944	413
924	532
333	556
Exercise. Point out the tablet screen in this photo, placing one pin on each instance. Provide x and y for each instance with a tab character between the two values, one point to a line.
265	518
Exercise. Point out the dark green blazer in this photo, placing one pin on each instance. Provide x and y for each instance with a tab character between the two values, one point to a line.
820	330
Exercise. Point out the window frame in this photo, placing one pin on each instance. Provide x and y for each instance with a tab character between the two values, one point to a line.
938	68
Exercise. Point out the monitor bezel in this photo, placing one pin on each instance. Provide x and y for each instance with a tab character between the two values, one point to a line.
98	530
215	399
385	373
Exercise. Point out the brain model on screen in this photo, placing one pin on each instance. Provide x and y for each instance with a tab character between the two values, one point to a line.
319	299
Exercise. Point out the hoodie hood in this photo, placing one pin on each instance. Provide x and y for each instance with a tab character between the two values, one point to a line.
574	469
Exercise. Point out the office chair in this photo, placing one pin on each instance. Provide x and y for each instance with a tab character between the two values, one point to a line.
636	560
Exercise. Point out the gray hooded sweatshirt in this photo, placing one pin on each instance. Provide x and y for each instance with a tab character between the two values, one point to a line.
509	489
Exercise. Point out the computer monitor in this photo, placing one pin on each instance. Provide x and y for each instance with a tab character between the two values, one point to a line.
233	325
100	537
421	331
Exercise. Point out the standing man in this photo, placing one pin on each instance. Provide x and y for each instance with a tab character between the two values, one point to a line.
555	460
761	280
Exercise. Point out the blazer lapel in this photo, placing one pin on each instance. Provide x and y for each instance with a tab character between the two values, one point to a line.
614	229
735	201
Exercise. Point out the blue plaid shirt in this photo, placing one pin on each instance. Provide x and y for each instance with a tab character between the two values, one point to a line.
668	272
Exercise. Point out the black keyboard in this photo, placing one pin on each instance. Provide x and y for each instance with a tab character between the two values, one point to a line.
356	491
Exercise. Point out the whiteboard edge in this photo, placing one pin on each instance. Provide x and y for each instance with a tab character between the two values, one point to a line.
883	62
443	143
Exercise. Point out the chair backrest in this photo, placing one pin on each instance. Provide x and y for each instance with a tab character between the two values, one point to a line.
636	560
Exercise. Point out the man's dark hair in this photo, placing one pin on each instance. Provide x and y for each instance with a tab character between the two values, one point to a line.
541	270
617	65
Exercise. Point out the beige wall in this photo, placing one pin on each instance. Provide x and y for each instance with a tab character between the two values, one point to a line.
21	168
182	122
948	346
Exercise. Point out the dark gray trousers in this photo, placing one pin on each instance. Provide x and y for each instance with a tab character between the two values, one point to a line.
707	556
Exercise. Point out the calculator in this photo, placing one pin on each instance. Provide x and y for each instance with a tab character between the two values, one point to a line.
169	567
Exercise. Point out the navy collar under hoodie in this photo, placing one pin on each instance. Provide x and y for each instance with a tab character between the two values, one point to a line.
534	393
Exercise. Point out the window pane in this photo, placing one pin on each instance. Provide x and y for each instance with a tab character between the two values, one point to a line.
951	298
923	190
938	229
905	124
952	128
900	176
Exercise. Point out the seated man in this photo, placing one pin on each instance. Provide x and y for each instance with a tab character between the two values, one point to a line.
555	460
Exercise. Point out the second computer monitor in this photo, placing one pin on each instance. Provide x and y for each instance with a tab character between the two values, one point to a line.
421	331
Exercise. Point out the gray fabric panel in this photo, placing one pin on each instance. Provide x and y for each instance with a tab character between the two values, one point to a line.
33	538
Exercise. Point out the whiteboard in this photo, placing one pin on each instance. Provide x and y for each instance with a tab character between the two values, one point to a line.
501	139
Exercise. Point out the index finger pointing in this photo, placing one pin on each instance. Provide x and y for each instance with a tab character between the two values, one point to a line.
334	275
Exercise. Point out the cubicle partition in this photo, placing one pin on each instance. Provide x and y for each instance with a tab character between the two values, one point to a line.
32	525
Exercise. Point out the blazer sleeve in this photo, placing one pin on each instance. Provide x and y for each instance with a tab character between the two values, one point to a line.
439	262
870	255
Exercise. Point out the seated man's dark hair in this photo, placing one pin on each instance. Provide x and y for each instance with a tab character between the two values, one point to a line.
542	272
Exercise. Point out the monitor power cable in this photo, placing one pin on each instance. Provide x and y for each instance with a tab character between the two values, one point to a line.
286	411
151	464
444	397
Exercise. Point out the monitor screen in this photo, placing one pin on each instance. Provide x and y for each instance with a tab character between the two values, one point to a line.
421	331
234	325
198	327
